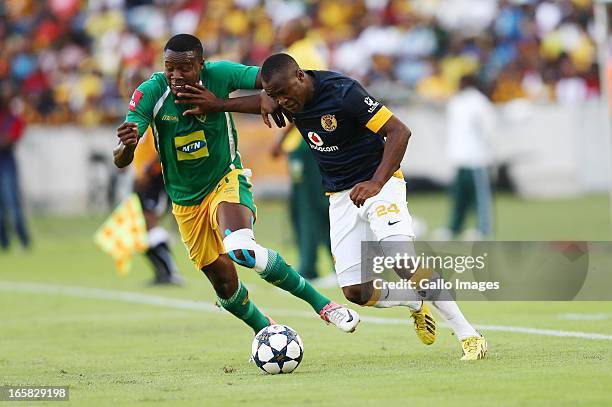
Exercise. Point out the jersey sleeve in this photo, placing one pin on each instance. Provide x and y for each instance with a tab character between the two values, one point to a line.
140	108
365	109
240	76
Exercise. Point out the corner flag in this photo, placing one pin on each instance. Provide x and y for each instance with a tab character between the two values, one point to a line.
123	233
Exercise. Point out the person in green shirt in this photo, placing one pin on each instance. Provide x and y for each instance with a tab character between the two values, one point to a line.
204	177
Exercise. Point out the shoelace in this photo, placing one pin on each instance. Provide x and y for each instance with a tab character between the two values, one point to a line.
335	313
419	320
470	344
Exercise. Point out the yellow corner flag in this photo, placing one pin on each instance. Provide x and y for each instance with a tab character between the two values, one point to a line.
123	234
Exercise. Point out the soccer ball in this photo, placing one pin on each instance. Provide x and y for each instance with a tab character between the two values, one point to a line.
277	349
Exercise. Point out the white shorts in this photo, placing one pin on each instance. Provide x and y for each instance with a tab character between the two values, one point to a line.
382	216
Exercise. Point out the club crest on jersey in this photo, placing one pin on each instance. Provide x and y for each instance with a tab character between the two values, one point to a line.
315	139
136	96
328	122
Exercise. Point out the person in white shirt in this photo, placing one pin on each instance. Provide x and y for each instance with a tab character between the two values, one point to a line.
470	119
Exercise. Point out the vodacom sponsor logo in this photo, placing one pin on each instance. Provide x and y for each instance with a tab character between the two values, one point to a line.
315	139
317	143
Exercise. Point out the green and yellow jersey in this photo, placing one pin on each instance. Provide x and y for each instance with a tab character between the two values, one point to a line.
195	151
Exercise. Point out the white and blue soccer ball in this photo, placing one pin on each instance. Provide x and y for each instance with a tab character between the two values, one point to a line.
277	349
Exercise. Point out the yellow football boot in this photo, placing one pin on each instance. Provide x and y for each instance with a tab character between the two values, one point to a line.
424	324
474	348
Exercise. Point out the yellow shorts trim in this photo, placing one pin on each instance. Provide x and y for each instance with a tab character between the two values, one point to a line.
198	223
379	119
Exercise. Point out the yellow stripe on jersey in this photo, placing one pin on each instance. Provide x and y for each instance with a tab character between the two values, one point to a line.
191	146
379	119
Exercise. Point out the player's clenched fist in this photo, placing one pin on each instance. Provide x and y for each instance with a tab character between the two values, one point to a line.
123	153
365	190
128	134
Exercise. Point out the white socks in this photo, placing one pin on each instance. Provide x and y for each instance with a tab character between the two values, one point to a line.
453	315
443	302
396	298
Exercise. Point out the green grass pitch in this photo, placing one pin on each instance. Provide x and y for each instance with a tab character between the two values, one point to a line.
153	348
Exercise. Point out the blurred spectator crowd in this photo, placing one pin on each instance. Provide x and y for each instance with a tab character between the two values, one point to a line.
65	59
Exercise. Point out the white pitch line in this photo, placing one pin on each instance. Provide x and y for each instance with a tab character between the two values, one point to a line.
156	300
585	316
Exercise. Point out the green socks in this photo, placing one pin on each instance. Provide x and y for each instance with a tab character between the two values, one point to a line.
282	275
241	306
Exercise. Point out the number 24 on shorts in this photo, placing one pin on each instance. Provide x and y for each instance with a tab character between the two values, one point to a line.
382	210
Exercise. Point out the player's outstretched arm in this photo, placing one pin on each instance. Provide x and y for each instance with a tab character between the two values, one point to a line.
204	101
397	136
123	153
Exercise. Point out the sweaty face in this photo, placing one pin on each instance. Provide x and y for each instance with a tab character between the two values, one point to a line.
288	90
182	68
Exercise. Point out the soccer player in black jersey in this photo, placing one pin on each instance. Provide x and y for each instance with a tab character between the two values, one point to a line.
359	144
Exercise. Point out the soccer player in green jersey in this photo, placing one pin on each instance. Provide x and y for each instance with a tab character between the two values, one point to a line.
203	175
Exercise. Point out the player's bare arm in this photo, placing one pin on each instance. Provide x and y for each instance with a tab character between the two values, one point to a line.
204	101
123	153
397	135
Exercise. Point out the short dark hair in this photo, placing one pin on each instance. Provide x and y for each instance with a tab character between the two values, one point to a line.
277	63
468	81
184	43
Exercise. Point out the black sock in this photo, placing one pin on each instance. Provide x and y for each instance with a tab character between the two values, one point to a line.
162	261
